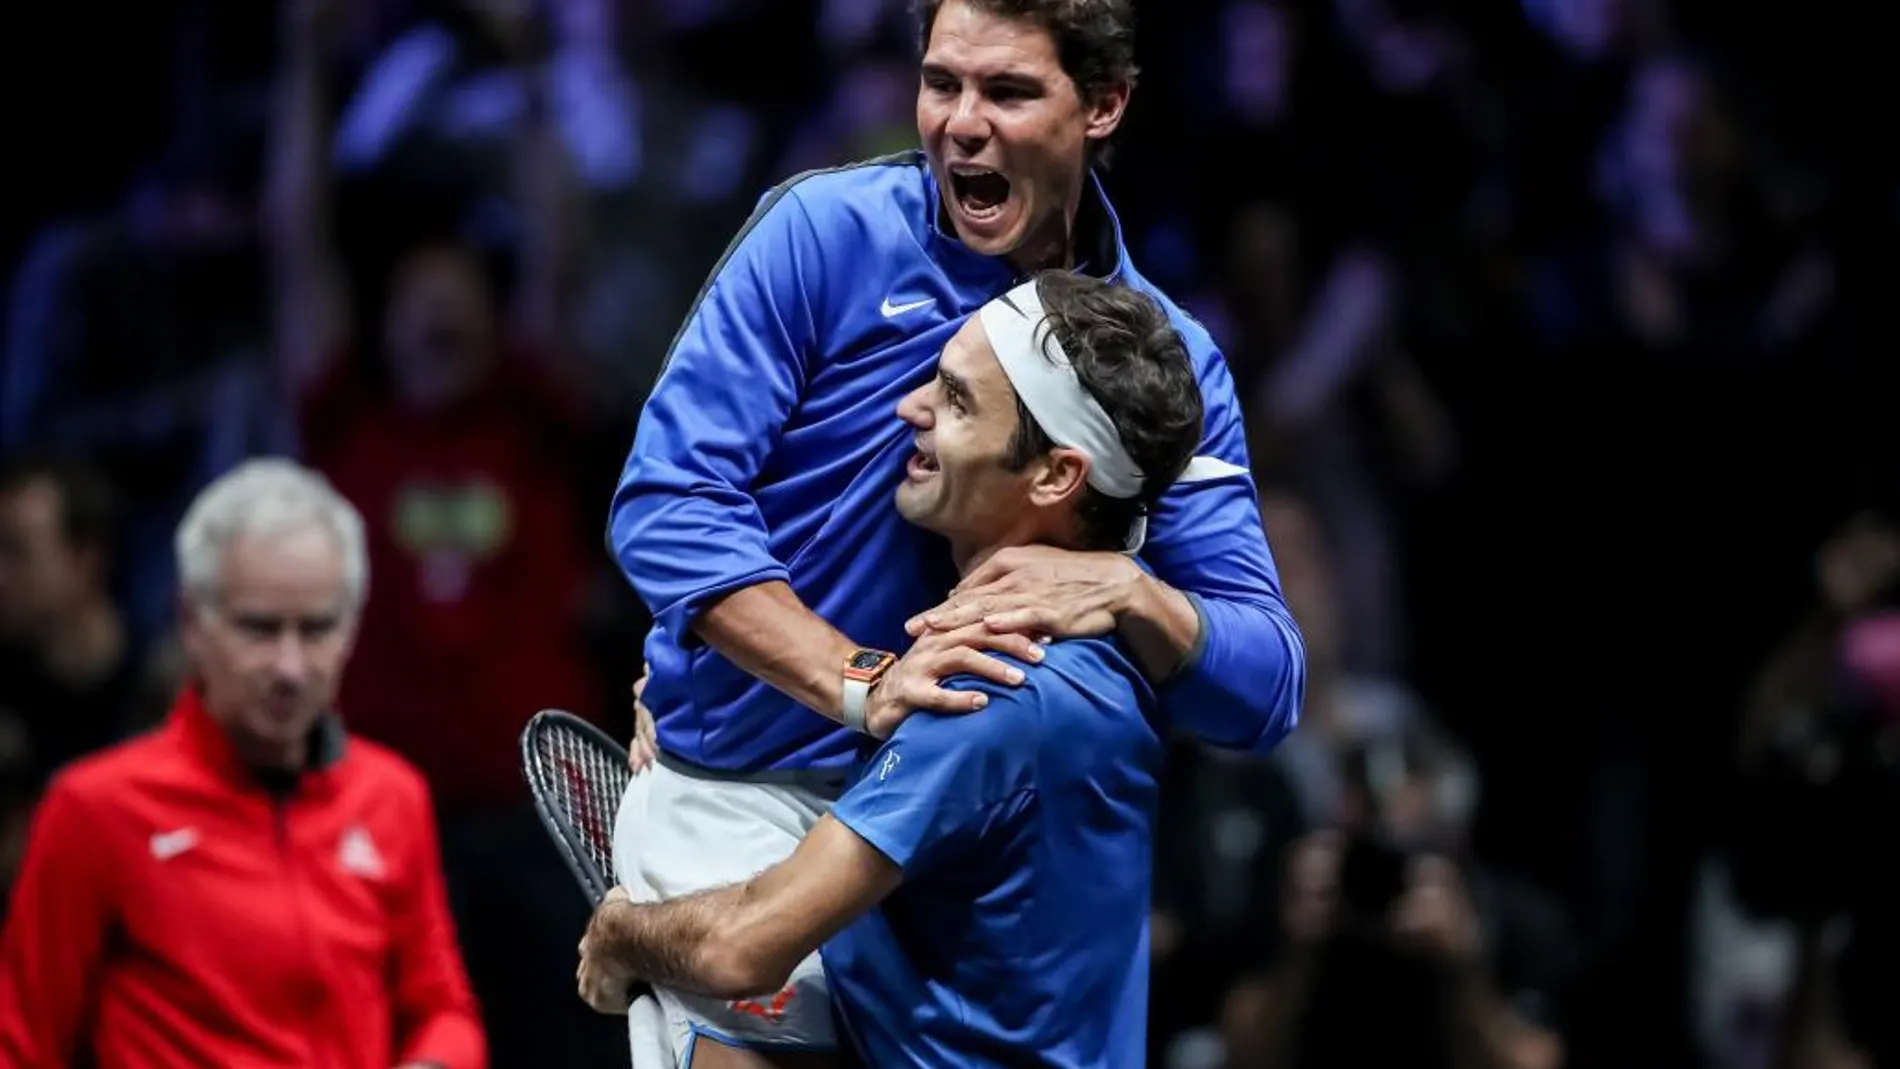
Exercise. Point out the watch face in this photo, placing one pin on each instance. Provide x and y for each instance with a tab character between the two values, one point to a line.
865	660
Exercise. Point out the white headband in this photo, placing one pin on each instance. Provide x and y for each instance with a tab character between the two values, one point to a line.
1045	379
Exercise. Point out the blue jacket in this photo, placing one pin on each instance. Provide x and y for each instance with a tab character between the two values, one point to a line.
770	449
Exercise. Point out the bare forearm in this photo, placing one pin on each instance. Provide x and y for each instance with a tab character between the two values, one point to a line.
676	943
747	939
1160	627
769	633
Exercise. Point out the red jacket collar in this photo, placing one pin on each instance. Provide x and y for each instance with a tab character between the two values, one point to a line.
208	745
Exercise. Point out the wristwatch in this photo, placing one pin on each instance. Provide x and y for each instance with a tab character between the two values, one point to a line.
862	670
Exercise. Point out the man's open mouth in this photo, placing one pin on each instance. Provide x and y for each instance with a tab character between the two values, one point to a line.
980	192
921	465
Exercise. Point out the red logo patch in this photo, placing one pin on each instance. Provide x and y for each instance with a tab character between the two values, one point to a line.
773	1011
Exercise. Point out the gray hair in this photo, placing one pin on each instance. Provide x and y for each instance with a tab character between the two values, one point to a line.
266	496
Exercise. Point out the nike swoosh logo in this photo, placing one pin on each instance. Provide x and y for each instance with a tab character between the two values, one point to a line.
890	309
168	845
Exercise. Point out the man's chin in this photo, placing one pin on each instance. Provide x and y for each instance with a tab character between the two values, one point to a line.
283	725
988	242
913	512
913	505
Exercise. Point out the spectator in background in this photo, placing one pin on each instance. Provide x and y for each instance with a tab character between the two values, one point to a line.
1228	820
1336	405
1383	912
447	421
72	673
1701	259
1386	917
453	79
1818	782
132	340
248	885
1345	708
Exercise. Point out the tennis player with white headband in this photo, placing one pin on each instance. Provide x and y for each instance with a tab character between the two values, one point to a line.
1053	397
983	886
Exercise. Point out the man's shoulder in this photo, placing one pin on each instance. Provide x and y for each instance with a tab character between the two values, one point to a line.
118	779
106	771
1073	673
845	185
1200	341
378	767
840	216
865	195
1101	655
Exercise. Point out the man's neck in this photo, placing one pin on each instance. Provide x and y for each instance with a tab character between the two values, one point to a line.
1046	252
969	559
86	647
272	759
970	556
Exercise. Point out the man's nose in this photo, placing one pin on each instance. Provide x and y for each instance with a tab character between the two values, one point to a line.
290	658
914	409
969	125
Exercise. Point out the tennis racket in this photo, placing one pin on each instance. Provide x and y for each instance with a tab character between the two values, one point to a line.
576	774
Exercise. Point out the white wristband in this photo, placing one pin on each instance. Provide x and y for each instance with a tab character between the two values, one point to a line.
855	693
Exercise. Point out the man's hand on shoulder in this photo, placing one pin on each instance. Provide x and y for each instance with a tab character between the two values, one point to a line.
1049	593
915	682
1042	591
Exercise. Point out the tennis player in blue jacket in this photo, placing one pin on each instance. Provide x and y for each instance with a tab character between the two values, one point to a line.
753	514
981	890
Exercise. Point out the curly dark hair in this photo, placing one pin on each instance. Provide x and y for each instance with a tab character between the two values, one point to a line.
1129	356
1095	39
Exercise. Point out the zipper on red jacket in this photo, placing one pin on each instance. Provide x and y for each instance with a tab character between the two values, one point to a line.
287	857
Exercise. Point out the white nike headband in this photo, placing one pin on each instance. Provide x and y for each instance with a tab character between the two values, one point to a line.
1045	379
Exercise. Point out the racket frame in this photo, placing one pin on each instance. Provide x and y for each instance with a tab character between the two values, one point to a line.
568	838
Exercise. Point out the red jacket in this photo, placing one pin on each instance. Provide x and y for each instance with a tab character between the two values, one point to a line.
171	911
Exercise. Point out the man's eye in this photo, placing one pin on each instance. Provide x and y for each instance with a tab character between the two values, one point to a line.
316	627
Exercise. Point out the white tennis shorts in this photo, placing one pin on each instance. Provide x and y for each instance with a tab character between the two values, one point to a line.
676	834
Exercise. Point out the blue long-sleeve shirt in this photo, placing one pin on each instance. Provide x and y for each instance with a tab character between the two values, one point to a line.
770	449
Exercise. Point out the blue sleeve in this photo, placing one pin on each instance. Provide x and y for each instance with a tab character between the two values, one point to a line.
683	525
940	780
1242	686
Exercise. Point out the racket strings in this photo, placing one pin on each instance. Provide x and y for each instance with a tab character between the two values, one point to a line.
586	783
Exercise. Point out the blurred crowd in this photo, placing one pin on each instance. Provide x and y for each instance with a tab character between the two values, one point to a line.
1556	323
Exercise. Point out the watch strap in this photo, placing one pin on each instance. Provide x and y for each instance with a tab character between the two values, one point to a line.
856	691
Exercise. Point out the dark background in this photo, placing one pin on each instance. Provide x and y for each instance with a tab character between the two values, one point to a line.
1573	527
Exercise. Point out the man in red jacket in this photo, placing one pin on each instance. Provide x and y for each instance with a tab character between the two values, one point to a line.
246	886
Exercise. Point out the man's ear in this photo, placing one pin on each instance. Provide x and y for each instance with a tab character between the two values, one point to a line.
1105	109
1061	477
